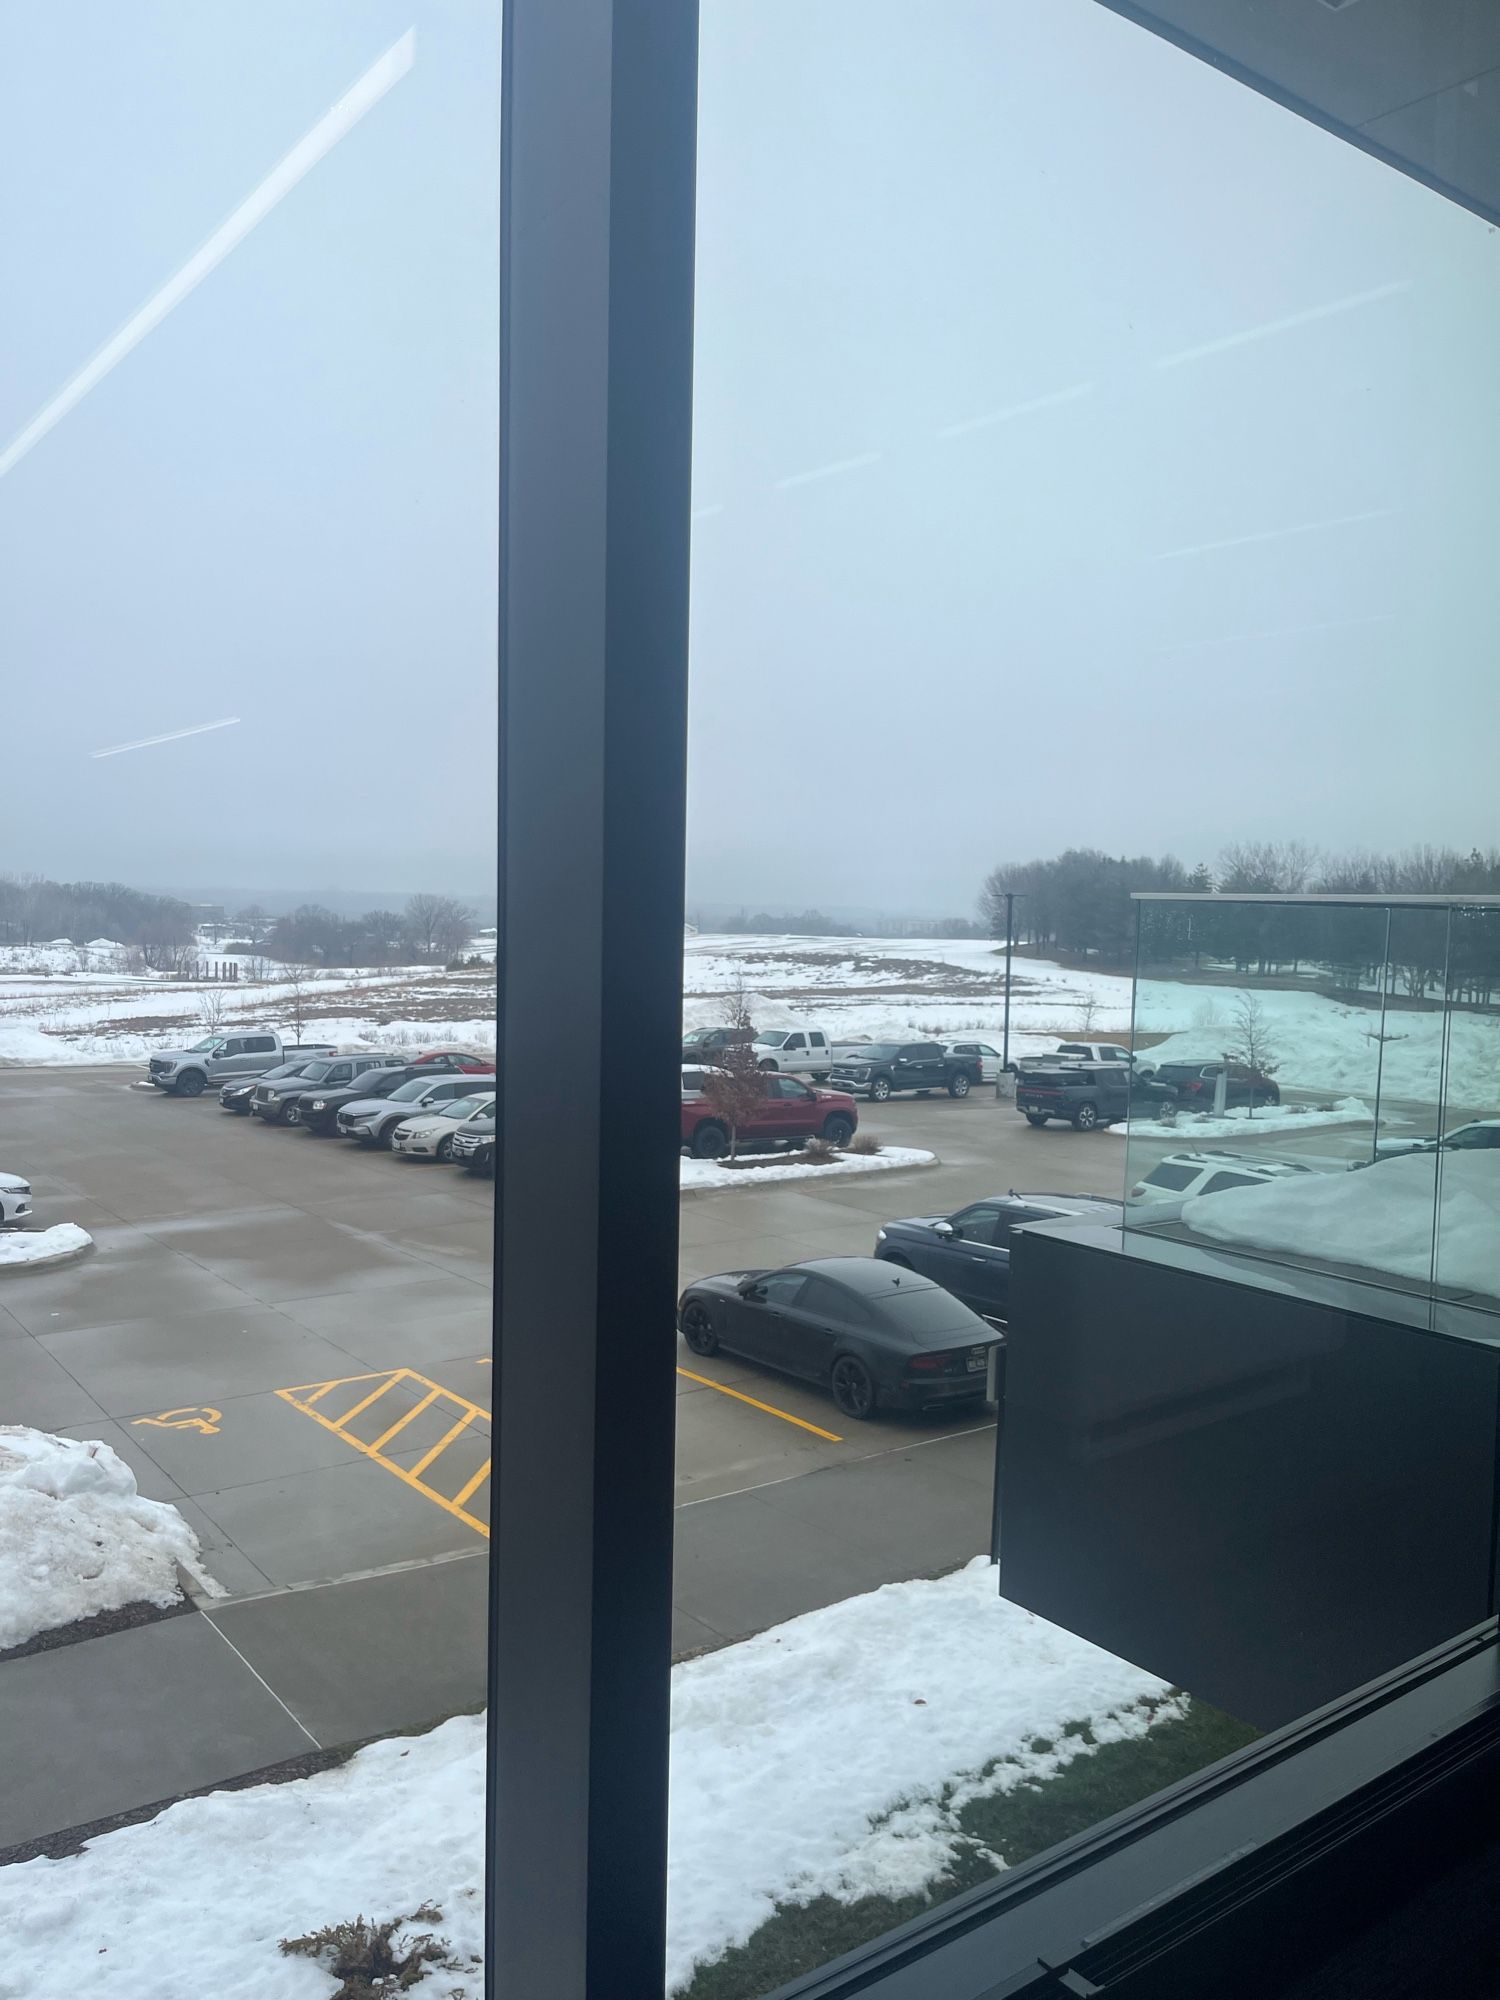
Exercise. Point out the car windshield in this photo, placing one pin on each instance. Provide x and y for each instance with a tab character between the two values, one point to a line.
876	1052
463	1107
206	1046
698	1036
315	1072
288	1069
770	1041
413	1087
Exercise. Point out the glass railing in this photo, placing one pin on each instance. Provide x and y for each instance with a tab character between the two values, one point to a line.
1316	1088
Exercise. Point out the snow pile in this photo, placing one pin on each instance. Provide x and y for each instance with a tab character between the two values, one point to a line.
823	1756
719	1174
1381	1217
1189	1127
39	1246
76	1537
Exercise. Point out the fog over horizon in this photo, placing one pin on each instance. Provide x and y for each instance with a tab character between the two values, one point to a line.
1117	482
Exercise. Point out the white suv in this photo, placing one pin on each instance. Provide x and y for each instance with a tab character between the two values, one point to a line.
1174	1181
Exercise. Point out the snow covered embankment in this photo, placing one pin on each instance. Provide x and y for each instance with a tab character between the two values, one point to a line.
76	1538
1380	1217
1189	1129
829	1756
24	1249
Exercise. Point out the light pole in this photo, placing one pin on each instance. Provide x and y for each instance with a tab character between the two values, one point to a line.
1012	896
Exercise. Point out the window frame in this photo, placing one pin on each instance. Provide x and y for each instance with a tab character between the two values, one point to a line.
598	136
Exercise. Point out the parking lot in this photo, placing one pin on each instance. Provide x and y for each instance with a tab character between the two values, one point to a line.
288	1338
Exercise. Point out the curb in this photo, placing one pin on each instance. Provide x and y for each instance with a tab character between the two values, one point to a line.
911	1167
47	1263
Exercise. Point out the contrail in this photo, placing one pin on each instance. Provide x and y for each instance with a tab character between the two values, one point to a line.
167	736
283	177
1283	325
1017	410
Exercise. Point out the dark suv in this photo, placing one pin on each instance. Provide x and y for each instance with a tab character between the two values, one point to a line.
878	1069
968	1253
318	1107
1088	1094
1196	1084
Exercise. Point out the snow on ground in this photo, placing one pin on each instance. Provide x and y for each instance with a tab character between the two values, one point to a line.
1380	1216
76	1537
716	1174
825	1756
1190	1130
20	1247
873	988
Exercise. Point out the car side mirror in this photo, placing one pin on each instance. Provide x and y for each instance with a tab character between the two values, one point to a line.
944	1229
752	1289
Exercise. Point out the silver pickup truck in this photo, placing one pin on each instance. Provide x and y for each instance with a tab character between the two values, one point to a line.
240	1052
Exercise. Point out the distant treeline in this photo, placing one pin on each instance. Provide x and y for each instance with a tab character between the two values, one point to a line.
817	923
1079	903
163	930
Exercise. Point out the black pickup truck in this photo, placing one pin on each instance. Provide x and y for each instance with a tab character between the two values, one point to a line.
880	1069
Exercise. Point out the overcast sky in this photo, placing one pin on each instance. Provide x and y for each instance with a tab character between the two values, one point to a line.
1087	452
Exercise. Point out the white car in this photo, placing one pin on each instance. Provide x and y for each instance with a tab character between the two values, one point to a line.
794	1051
991	1063
1478	1136
430	1137
15	1201
1174	1181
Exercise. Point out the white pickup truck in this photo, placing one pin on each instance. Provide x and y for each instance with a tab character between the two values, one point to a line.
238	1052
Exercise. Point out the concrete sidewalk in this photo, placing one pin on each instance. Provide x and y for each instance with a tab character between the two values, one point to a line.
129	1720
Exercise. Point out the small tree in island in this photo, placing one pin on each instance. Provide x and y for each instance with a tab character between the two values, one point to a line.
1252	1045
736	1085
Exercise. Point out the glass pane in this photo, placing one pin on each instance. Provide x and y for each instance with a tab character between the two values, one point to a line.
1061	530
1467	1253
248	477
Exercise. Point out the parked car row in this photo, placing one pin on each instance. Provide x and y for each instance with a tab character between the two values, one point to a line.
436	1105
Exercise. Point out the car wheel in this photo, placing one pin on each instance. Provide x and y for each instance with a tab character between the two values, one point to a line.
880	1089
1036	1118
710	1142
445	1149
292	1115
698	1332
1085	1118
853	1387
768	1064
191	1083
837	1129
820	1076
958	1086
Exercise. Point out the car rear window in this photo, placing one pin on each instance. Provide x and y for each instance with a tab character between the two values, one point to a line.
925	1312
1221	1181
1169	1176
1050	1079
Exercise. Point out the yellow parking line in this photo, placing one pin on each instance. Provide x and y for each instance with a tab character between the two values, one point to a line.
373	1397
769	1408
449	1506
401	1422
443	1443
468	1492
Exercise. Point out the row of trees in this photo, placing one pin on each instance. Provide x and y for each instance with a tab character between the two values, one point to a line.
34	910
162	929
429	929
1080	902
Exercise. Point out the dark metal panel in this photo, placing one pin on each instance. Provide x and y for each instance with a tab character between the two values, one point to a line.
1413	82
598	128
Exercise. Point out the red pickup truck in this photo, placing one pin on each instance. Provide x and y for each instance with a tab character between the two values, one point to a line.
790	1109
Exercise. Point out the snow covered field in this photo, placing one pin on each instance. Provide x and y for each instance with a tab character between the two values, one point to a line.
829	1756
76	1538
856	988
716	1174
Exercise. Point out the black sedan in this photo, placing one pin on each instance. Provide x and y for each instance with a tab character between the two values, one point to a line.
474	1146
968	1252
877	1336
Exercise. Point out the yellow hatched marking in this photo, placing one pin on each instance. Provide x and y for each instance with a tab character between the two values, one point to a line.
308	1396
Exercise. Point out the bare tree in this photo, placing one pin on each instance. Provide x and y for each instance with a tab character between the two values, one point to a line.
298	979
437	925
212	1009
1090	1009
1252	1044
736	1085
